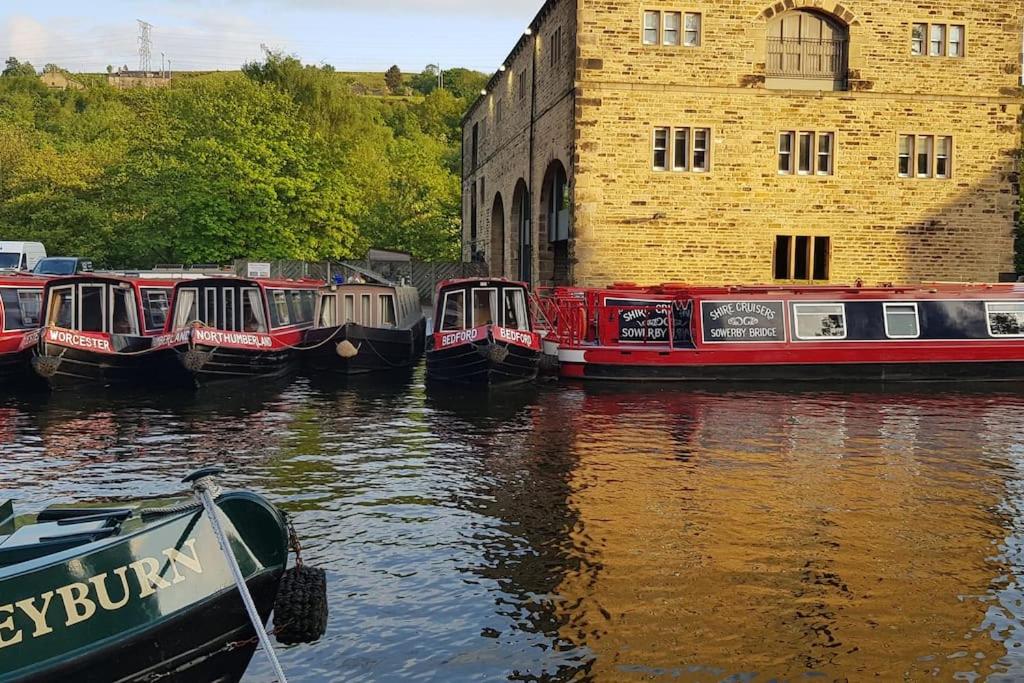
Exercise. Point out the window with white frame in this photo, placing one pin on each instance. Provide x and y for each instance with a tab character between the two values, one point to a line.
925	156
691	31
685	148
806	153
673	23
672	29
901	321
1005	318
652	26
937	40
819	321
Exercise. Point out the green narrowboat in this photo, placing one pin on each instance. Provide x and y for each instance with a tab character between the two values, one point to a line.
135	593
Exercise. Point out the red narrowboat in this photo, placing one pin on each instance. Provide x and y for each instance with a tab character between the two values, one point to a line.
887	333
21	302
482	334
232	328
99	329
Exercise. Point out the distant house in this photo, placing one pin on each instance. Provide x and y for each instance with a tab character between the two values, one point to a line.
58	80
123	79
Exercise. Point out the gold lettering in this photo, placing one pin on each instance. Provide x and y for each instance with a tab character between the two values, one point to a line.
192	563
103	596
77	605
38	616
8	625
148	571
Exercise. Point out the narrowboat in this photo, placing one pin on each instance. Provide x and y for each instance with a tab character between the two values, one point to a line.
815	333
133	593
99	329
482	334
21	302
365	327
225	328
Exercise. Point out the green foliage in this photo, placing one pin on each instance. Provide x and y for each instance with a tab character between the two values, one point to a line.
393	79
464	84
278	161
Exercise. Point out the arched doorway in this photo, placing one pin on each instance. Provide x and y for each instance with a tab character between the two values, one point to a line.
522	254
556	213
496	258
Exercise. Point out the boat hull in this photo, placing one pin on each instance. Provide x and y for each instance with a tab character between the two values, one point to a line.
168	608
203	365
483	363
64	367
379	349
16	368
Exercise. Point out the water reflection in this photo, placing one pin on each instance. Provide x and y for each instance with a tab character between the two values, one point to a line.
559	533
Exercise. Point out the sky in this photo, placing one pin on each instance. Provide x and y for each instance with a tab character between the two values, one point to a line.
351	35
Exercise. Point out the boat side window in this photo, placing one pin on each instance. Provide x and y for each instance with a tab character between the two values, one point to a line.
21	308
365	310
901	321
350	308
61	312
300	306
1005	318
125	316
820	321
91	309
155	303
186	309
515	310
485	307
253	317
307	302
453	315
387	310
227	309
278	308
328	310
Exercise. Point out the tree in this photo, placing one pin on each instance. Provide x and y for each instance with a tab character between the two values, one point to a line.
393	79
463	83
13	67
426	81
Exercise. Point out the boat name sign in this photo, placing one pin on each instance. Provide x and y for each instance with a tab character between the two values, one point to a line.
530	340
79	340
32	617
234	340
446	340
742	321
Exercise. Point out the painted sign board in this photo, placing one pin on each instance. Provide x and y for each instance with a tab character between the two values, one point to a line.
642	320
742	321
259	270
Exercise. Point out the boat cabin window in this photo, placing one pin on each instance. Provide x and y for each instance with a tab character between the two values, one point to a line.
278	308
1005	319
209	313
253	318
349	313
155	304
22	308
820	321
387	311
125	319
901	321
485	307
227	310
62	308
186	308
365	310
515	310
303	306
453	314
92	309
328	311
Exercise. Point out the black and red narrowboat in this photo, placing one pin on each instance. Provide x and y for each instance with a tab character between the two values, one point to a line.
21	298
225	328
815	333
365	327
482	334
99	329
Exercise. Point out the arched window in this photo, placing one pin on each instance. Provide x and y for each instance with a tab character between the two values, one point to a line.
807	50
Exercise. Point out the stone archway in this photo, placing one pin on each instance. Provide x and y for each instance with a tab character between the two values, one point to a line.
556	226
838	12
520	263
496	257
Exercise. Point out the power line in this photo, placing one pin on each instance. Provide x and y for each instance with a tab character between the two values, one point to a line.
145	46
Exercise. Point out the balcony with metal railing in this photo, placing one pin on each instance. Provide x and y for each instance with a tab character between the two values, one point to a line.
806	63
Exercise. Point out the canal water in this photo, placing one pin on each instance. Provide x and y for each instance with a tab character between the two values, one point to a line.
605	533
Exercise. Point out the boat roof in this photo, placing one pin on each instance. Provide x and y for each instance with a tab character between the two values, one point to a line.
250	282
921	290
22	280
107	278
479	282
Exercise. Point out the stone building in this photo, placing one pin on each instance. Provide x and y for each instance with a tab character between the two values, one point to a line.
751	142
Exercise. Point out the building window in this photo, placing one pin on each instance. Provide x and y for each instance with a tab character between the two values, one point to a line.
688	148
820	321
1005	319
556	46
670	36
691	35
802	258
806	153
497	111
522	85
925	156
476	144
901	321
652	21
661	149
937	40
472	219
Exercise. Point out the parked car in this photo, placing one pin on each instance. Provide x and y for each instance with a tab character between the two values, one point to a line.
21	255
62	265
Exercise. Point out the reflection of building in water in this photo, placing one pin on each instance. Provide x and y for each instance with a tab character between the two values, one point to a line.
802	533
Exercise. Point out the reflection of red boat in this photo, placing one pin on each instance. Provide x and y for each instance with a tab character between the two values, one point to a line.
482	334
21	299
680	332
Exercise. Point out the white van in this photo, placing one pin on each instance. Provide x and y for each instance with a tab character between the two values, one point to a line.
20	255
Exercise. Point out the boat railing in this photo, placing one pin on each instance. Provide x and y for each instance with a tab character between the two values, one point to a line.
563	317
